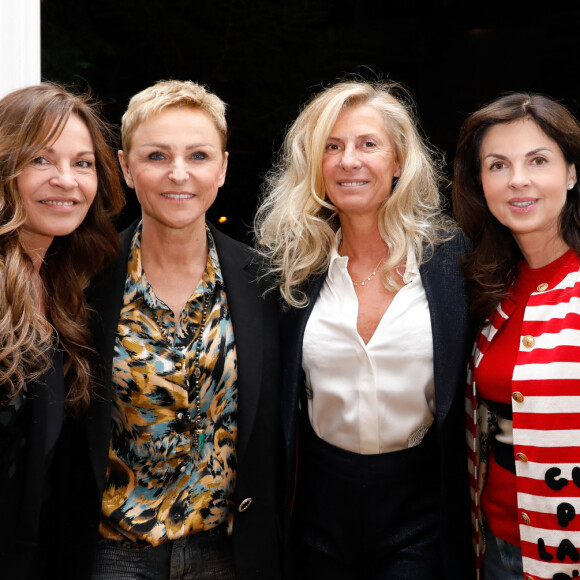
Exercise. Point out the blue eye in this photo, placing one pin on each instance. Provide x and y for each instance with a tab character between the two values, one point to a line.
199	156
156	156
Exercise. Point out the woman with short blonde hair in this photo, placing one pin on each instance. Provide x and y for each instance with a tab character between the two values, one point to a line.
187	436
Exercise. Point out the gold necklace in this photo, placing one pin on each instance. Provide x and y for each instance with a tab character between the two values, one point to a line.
366	281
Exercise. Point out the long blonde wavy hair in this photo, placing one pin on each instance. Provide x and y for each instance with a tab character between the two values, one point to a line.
296	224
30	120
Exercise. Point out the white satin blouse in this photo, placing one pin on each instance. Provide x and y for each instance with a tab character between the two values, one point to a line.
377	397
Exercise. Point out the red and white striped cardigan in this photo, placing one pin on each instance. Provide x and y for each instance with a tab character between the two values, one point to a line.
546	427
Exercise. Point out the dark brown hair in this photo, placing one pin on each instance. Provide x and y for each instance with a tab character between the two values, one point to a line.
30	120
492	265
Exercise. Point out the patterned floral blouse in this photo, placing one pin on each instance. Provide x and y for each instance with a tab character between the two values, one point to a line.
160	486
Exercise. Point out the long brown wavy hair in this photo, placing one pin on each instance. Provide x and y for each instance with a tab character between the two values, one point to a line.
31	119
492	266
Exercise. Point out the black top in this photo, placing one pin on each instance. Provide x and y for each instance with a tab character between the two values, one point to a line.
30	427
53	380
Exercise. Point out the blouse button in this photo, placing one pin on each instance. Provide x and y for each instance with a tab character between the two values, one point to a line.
526	518
518	397
522	457
528	577
176	516
528	341
542	287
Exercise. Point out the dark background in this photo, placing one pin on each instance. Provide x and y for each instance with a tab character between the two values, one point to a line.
265	58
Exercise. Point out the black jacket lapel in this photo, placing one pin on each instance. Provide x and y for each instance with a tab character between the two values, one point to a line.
244	301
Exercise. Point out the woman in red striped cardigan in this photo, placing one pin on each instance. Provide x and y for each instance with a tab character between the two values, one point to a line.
516	196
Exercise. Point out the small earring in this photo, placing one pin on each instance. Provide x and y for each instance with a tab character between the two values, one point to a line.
570	186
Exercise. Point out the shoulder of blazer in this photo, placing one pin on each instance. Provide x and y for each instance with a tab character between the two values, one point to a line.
453	331
232	253
445	286
450	249
293	320
99	291
105	299
241	264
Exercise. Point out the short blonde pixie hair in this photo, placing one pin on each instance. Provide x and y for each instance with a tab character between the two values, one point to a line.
166	94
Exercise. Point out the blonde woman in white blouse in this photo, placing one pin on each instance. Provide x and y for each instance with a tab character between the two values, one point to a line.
376	337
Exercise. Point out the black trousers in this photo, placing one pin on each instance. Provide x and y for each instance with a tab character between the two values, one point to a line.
371	517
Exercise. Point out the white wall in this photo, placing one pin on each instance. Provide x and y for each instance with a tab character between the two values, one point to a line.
19	44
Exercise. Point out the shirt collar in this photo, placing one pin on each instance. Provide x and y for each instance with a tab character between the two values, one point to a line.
339	263
411	268
138	285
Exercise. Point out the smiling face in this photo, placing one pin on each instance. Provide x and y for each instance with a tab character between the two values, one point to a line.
359	162
176	166
58	187
525	180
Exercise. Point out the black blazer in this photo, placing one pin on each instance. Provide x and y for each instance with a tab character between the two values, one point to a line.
25	547
453	335
256	528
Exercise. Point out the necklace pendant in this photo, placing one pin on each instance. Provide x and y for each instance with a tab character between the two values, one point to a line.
199	438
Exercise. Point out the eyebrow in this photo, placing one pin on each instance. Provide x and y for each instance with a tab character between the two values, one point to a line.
363	136
528	154
79	154
168	146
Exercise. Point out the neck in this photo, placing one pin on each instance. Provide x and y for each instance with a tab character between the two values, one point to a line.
36	251
361	241
170	248
37	257
36	248
538	253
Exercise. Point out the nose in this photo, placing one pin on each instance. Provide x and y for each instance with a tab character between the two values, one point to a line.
178	173
64	178
350	158
519	178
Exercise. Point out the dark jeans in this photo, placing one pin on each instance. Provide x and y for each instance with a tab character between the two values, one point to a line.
502	560
195	557
366	516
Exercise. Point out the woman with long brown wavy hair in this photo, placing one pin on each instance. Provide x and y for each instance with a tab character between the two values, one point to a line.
59	188
516	196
